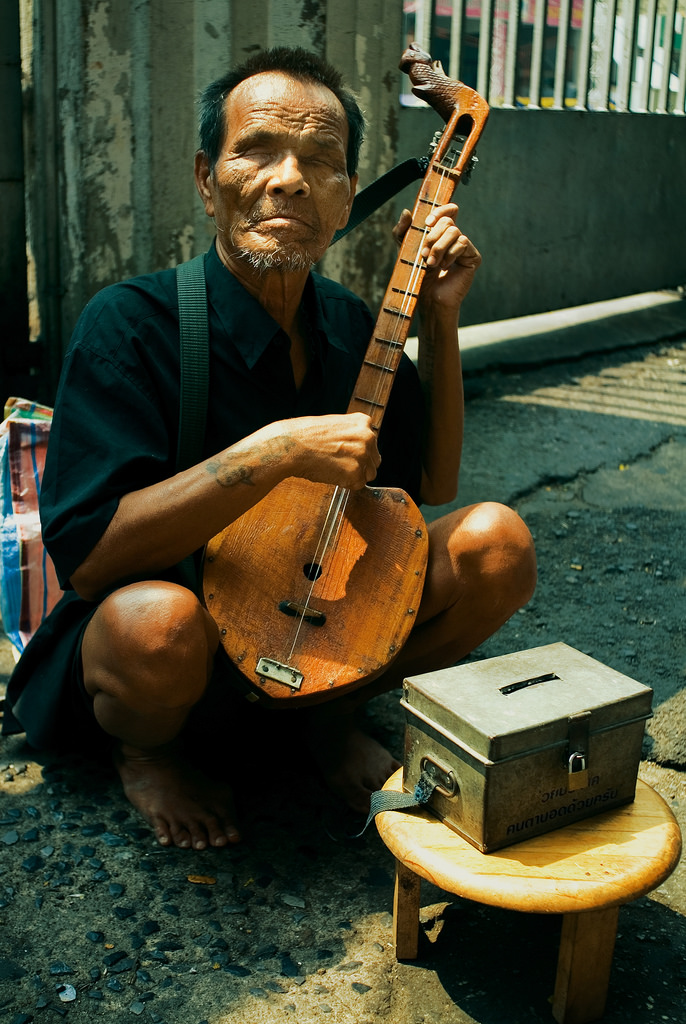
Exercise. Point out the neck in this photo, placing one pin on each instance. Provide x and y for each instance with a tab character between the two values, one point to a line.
278	291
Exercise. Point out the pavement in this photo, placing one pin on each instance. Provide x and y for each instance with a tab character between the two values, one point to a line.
579	421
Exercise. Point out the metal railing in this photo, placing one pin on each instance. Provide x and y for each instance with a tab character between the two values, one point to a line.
600	55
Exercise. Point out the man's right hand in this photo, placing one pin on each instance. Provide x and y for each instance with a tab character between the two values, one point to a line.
334	449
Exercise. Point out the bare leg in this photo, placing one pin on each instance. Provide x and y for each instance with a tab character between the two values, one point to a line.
147	657
481	569
353	764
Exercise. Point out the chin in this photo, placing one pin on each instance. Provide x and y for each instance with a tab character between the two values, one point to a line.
287	259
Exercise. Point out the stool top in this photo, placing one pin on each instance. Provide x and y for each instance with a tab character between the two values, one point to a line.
602	861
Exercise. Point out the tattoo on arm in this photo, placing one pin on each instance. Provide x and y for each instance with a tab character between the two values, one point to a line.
227	476
228	470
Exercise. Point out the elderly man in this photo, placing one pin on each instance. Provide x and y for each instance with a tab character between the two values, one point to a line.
131	656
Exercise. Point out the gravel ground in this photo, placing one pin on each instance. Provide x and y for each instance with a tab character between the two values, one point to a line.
294	924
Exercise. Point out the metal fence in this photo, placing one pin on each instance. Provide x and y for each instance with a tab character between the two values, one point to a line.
604	55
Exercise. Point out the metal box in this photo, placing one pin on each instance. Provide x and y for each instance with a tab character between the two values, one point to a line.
525	743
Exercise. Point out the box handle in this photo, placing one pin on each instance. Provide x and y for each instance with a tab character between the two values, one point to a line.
440	775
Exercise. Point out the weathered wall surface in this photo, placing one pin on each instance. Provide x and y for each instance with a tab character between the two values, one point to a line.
112	86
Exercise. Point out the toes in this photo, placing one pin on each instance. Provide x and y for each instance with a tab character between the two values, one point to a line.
221	831
198	833
181	836
162	831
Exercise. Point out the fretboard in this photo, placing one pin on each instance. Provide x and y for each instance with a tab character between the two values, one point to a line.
382	359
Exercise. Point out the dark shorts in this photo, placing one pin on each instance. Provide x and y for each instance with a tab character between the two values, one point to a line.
47	698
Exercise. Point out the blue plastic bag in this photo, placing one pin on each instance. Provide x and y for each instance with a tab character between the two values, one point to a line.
28	583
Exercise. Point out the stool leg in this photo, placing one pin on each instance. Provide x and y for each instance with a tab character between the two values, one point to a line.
406	912
583	967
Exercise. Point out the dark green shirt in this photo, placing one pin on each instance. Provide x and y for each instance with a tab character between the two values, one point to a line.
115	430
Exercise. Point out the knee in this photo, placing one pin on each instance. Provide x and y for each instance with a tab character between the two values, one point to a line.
155	639
500	548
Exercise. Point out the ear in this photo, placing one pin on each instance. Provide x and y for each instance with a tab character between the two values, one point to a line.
349	205
203	181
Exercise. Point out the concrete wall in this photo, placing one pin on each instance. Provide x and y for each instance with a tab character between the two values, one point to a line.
568	207
111	87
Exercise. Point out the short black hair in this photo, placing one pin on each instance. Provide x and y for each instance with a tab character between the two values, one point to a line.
293	61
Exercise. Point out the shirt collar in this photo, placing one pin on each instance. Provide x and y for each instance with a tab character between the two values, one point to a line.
247	323
316	310
244	320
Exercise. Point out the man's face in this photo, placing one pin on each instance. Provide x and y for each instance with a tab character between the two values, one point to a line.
280	188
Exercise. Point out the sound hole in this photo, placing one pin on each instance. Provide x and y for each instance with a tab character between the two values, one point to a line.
312	571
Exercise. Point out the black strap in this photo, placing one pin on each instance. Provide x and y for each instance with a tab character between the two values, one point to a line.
194	359
382	189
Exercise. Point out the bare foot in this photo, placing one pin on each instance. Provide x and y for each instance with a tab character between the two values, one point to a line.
354	765
184	807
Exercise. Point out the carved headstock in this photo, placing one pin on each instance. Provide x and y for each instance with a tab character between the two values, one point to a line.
463	109
430	83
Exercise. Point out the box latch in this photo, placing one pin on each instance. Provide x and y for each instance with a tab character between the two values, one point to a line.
577	758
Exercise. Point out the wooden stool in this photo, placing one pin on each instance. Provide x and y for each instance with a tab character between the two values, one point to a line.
584	871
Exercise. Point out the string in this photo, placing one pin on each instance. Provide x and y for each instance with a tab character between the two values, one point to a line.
417	268
335	516
340	494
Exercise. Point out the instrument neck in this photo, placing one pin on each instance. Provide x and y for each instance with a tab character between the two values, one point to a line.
382	359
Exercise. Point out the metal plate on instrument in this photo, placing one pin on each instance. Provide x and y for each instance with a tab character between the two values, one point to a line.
280	673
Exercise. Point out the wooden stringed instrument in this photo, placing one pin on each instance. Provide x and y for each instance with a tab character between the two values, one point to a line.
315	588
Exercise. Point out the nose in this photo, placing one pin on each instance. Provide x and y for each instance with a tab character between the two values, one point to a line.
287	178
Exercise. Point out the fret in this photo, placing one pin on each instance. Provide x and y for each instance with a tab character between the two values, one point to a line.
404	291
387	341
379	366
369	401
397	312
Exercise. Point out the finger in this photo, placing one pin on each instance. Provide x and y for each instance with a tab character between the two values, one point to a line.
443	234
375	461
400	229
444	245
449	210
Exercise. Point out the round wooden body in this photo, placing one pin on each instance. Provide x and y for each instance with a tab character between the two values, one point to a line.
322	581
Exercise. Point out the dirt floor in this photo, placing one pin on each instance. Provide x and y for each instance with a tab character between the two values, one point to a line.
295	923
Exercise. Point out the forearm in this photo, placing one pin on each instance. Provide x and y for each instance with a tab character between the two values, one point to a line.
440	372
157	526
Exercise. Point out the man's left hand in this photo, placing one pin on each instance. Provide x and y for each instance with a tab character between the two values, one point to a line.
450	257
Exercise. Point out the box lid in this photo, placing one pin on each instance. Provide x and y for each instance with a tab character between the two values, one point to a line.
504	707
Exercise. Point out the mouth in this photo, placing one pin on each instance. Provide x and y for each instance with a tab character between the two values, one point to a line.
286	216
283	220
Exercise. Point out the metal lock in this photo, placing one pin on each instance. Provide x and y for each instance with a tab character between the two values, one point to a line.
578	772
579	729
